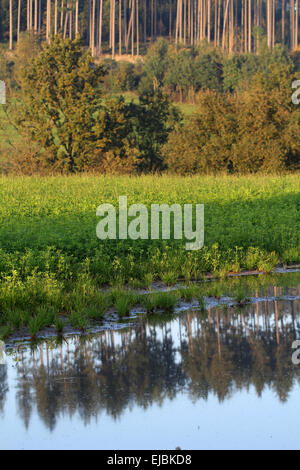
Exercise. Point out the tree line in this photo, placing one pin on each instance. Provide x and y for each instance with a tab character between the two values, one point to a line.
118	27
66	113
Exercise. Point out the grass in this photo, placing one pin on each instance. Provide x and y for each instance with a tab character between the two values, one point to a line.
121	301
187	109
50	255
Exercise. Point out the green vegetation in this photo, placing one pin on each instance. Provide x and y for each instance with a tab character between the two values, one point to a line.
67	114
182	110
51	259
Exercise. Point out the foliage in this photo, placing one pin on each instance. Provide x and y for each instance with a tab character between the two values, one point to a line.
50	255
250	131
61	95
154	118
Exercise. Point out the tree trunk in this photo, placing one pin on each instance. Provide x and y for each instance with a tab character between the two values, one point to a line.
62	15
224	25
208	20
250	26
35	16
93	27
132	26
113	27
120	27
48	28
292	22
55	17
137	29
269	23
283	22
100	26
297	24
10	25
19	21
76	18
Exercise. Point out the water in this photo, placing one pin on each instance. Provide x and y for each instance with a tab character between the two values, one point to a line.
225	380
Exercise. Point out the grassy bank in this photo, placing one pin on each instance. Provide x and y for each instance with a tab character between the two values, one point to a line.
52	263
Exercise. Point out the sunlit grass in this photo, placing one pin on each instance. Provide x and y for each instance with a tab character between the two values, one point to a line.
50	255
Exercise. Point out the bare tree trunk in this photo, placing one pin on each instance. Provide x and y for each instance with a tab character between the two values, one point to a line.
19	20
62	15
35	15
100	26
231	27
66	25
292	23
177	23
48	28
132	26
55	17
283	22
208	20
219	22
224	25
30	15
216	23
93	27
10	25
249	26
297	24
273	23
170	18
137	29
180	21
129	31
71	22
145	21
76	18
113	28
269	23
28	9
184	21
120	27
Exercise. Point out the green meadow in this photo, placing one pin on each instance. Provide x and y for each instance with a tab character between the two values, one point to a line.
52	264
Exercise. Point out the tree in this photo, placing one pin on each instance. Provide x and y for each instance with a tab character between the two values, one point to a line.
154	119
189	23
157	63
61	96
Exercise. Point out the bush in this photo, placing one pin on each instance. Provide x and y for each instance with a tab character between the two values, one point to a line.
204	142
125	77
253	130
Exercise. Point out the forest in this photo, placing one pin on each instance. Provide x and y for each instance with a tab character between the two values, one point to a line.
118	27
68	112
126	87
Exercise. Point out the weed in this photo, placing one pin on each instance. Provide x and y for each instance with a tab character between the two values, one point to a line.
78	321
166	300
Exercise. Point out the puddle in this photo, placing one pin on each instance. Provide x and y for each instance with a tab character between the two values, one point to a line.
224	379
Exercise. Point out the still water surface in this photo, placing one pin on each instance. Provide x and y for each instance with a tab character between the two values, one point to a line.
222	380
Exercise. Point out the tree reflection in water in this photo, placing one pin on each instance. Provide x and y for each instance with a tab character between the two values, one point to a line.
226	351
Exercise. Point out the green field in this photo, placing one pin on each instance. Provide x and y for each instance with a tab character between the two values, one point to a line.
50	255
187	109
